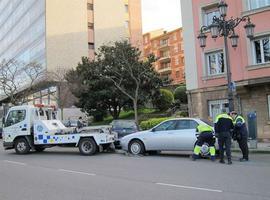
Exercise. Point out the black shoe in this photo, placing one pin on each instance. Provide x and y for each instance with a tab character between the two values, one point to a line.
243	159
222	161
229	162
194	157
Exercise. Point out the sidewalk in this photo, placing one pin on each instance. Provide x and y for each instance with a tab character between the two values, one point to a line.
262	147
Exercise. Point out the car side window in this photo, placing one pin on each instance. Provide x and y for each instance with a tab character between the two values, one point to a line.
193	124
168	125
15	117
186	124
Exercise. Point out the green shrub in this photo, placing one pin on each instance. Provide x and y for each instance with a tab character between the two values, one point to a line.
180	95
150	123
165	100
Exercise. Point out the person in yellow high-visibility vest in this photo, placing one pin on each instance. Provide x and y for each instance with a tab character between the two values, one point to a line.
240	134
206	135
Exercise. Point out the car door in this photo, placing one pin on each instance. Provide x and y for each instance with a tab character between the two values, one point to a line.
16	124
161	136
184	136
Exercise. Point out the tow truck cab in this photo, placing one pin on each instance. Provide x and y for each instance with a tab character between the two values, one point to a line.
36	127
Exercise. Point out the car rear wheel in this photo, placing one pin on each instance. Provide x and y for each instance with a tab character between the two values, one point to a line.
22	146
136	147
87	146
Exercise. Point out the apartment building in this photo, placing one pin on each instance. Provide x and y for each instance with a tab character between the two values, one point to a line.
57	33
206	69
168	48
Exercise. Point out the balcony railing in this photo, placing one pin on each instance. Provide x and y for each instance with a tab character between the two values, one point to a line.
165	70
165	58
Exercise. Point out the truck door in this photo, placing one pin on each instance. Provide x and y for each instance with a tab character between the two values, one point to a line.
16	124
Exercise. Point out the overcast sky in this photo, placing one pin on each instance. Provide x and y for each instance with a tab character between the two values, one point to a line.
158	14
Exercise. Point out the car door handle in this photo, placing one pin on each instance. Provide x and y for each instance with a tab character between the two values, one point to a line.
24	129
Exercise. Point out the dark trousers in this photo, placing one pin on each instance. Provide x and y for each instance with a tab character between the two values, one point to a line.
206	137
224	138
243	146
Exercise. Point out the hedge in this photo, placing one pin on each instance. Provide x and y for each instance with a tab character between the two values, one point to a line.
150	123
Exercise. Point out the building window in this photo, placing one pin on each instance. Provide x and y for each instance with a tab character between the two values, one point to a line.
176	48
165	65
216	106
145	40
127	24
268	103
215	63
164	42
208	16
177	74
91	45
182	46
183	60
90	25
126	8
175	36
261	50
90	6
254	4
164	54
176	61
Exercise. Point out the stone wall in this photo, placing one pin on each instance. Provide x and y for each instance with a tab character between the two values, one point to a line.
248	99
255	99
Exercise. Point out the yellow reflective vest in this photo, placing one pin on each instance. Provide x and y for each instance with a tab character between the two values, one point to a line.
204	128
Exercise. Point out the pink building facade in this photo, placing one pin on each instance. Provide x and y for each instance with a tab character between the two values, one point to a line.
206	71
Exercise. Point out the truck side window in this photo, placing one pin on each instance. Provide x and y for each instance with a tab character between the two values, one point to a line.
15	117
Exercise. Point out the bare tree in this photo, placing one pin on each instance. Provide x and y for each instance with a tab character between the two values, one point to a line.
18	78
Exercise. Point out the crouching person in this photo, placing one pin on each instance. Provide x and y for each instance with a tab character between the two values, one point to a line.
206	135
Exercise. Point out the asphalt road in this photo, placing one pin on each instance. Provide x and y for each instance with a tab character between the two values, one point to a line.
63	174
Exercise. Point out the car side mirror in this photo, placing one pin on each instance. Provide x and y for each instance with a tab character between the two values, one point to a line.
153	130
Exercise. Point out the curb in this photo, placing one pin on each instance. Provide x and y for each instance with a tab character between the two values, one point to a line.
255	151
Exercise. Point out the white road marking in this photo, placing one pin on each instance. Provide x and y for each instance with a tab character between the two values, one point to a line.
189	187
76	172
13	162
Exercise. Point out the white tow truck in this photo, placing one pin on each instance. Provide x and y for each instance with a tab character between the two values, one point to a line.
36	128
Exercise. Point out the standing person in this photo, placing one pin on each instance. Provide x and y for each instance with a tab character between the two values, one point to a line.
206	135
240	134
69	122
223	127
80	123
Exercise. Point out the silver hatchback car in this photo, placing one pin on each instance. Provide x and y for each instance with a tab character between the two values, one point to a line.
177	134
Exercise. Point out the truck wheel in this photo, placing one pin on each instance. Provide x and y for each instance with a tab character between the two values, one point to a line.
39	149
136	147
87	146
22	146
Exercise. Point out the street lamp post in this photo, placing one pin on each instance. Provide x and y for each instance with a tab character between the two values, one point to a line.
221	27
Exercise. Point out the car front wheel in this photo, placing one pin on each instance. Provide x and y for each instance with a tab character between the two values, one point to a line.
136	147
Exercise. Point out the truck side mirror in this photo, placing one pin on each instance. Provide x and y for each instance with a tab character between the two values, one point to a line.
3	121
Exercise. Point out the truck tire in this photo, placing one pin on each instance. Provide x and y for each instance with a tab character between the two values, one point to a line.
21	146
87	146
